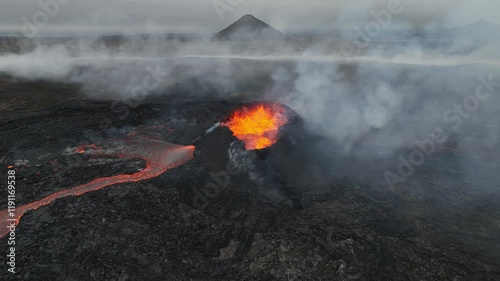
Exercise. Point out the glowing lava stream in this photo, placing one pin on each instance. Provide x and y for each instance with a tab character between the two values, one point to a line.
159	156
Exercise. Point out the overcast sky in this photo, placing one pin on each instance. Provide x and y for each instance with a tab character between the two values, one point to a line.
202	15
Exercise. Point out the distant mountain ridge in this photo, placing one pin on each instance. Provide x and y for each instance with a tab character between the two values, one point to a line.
481	26
249	28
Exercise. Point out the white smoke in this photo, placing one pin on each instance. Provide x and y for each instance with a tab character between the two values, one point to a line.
365	97
41	63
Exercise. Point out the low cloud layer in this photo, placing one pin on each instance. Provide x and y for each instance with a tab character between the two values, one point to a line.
364	97
211	16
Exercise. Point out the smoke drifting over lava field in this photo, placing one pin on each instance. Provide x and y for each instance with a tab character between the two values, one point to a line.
254	154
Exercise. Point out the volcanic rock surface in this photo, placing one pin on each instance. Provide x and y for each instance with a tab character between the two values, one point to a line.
206	220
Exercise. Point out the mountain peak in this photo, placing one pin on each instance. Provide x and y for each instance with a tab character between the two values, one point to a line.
481	30
250	28
248	17
481	24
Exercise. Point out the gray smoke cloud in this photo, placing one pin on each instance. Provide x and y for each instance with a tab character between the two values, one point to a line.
346	98
106	16
366	96
375	100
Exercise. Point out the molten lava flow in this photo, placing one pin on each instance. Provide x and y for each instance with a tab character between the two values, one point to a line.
83	148
159	156
258	125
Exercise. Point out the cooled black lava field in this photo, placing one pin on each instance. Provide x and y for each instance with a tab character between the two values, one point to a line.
197	221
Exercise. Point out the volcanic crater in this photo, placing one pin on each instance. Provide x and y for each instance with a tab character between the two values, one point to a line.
226	213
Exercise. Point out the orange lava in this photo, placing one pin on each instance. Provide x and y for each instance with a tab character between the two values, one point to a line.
83	148
159	156
257	125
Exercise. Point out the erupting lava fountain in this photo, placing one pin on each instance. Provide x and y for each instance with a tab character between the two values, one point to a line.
257	125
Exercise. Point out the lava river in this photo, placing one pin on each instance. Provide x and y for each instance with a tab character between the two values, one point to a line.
158	154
